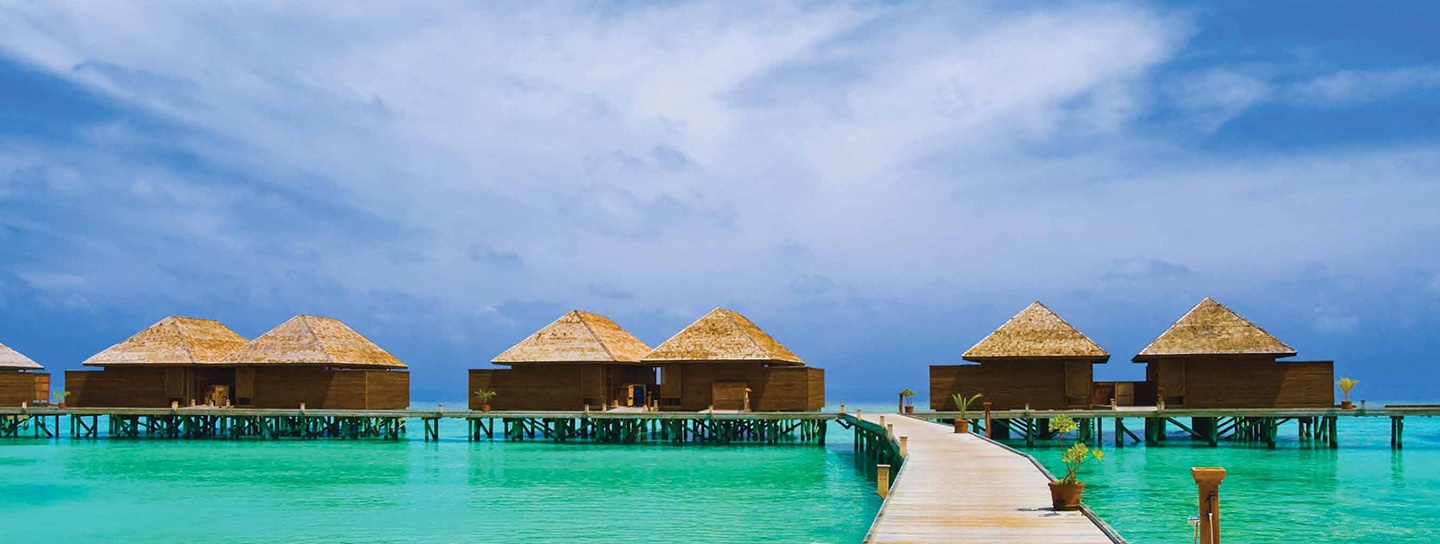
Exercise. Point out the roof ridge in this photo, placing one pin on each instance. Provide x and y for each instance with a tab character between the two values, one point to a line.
185	342
581	315
324	349
730	315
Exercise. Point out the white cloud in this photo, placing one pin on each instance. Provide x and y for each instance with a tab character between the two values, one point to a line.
1355	86
563	150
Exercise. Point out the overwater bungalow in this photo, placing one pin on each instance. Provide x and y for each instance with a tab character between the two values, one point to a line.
20	379
318	362
177	360
1213	358
315	361
1035	359
581	359
726	362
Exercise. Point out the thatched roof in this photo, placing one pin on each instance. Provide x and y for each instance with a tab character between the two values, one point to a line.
310	340
1036	332
577	337
722	335
12	359
1212	329
173	341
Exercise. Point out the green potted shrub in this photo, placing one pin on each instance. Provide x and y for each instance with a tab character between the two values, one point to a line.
60	398
1346	384
908	396
962	425
483	396
1065	493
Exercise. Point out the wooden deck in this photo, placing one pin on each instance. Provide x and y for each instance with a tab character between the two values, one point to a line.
964	488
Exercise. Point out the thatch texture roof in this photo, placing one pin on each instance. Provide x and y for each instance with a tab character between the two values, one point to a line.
1036	332
722	335
12	359
1212	329
310	340
577	337
173	341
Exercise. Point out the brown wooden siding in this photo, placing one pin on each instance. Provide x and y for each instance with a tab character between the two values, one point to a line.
260	387
331	389
772	389
1008	385
1244	382
557	386
117	388
23	387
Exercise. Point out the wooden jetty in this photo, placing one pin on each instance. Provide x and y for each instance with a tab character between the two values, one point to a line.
1314	426
955	488
557	426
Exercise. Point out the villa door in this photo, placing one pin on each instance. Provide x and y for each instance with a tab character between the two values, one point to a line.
729	395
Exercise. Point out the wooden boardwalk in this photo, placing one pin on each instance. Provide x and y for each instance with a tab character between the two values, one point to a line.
963	488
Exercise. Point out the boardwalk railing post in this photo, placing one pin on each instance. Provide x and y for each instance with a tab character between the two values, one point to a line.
882	480
988	432
1208	480
904	446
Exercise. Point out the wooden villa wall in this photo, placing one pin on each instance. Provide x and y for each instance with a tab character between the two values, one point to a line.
327	389
23	387
120	388
1044	385
556	386
772	389
1244	382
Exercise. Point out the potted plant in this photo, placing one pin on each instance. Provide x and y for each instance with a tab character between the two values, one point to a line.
908	396
1065	493
962	425
60	398
483	396
1346	384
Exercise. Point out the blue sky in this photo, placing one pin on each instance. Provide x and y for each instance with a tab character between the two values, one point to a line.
878	185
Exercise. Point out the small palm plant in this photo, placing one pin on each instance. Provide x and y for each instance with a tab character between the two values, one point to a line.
962	425
483	396
907	398
963	403
1346	384
1065	494
60	396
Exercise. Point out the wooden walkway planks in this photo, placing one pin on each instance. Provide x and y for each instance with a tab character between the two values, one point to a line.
962	488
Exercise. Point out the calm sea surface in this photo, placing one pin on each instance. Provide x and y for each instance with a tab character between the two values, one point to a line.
124	491
456	491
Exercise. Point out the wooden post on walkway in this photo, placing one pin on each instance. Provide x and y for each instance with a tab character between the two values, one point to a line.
882	480
1208	480
988	432
904	447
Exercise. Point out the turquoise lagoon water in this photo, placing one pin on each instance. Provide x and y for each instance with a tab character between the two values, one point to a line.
1362	492
456	491
452	491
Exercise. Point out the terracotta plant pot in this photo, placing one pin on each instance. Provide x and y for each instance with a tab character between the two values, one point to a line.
1347	405
962	426
485	408
62	406
909	409
1066	496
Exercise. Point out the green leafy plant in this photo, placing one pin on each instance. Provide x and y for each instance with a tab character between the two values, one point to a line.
484	395
1346	384
907	393
1076	455
963	403
1063	424
60	395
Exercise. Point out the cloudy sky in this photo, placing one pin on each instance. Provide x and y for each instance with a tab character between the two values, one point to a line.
877	184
